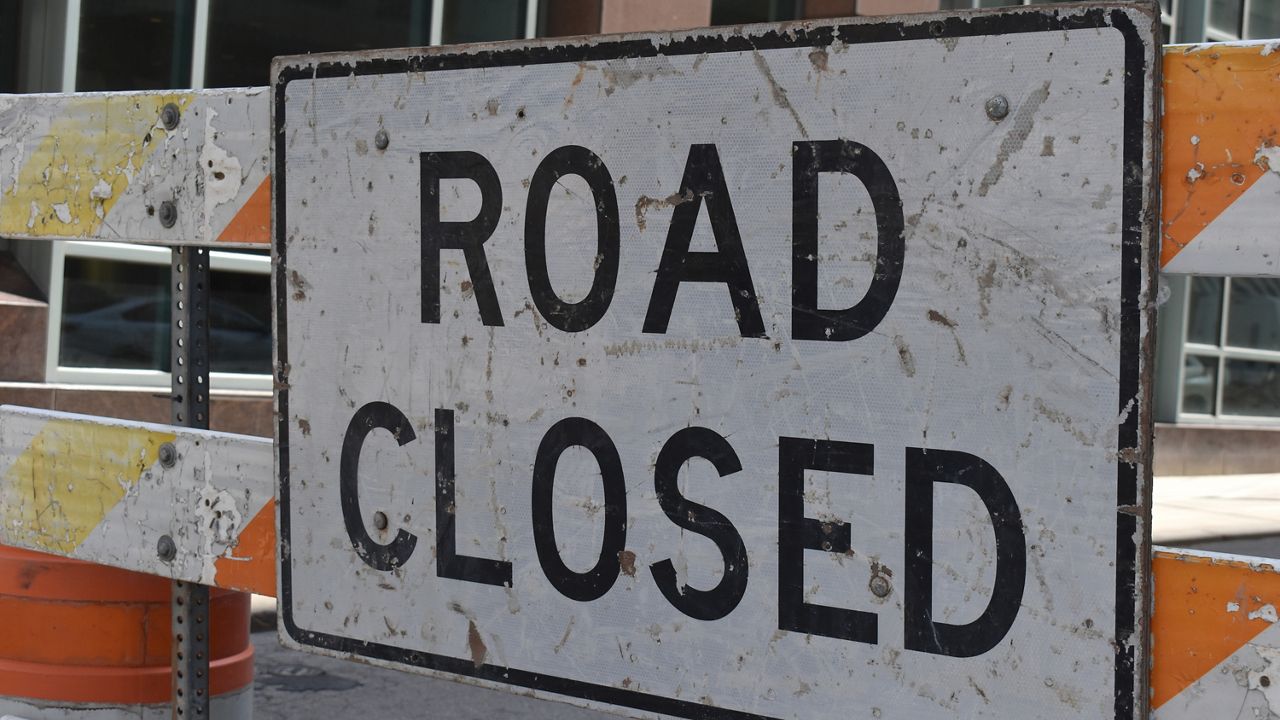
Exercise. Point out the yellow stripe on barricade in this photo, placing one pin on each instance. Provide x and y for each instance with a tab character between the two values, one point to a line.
65	494
80	169
144	167
193	505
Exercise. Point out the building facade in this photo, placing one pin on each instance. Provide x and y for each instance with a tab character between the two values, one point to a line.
88	322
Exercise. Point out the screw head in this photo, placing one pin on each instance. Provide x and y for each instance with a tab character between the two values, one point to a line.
169	116
381	139
166	550
168	213
997	107
880	586
380	520
168	455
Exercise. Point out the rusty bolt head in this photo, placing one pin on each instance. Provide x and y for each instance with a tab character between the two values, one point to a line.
165	549
998	107
169	116
168	455
381	139
880	586
380	520
168	213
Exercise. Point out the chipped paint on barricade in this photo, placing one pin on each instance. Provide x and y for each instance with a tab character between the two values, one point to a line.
94	489
421	390
97	166
1214	635
81	165
1220	180
70	491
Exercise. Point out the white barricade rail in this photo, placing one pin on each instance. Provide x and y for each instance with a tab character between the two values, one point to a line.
194	505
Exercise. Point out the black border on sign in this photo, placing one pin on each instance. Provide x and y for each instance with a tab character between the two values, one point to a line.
1130	648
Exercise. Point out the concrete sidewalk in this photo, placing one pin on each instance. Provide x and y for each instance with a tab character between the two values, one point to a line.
1191	510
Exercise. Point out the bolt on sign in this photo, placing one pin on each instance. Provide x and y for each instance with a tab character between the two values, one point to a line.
782	371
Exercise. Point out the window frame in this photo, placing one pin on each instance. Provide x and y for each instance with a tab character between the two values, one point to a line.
1222	352
219	260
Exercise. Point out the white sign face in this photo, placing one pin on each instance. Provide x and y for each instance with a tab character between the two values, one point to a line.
792	372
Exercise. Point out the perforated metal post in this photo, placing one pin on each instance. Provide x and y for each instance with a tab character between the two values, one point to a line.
190	367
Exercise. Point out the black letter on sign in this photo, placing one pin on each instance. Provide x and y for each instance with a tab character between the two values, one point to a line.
808	321
720	600
703	178
924	468
595	582
449	564
373	415
469	236
797	533
572	160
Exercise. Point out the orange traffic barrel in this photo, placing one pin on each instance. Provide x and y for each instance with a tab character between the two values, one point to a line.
84	640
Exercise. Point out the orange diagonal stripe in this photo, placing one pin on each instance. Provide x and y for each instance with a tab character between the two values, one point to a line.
252	563
252	224
1222	105
1201	616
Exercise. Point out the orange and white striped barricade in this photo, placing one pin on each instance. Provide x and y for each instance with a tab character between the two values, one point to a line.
1214	636
192	505
1220	181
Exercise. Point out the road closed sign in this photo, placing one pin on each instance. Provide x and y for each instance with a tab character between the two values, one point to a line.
795	371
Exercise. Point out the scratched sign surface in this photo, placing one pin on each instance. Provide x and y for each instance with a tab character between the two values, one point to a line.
786	372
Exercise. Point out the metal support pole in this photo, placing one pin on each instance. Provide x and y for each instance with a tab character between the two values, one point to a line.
189	610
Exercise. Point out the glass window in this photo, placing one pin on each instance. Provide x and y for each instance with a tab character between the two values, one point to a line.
244	36
1264	19
116	315
9	45
135	45
1224	16
1253	319
1204	314
240	322
1231	357
467	21
1199	384
1251	387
